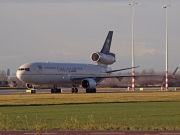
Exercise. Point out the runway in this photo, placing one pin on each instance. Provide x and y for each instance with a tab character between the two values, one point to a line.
87	132
81	90
64	90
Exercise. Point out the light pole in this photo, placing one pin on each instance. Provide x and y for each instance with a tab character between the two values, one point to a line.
133	79
166	7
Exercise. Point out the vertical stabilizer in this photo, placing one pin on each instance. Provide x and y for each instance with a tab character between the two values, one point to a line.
105	57
107	44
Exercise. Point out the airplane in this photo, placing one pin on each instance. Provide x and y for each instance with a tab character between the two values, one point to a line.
36	74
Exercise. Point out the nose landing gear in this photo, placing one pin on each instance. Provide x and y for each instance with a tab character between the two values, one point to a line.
74	89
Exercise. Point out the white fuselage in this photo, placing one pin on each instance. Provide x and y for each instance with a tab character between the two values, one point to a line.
40	73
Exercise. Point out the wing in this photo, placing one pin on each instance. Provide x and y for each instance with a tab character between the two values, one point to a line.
74	78
119	77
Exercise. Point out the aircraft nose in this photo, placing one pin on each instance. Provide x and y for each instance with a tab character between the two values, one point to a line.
19	75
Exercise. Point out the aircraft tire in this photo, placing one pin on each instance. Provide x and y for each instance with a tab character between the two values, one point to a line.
73	90
76	90
87	91
91	90
33	91
53	90
56	90
94	90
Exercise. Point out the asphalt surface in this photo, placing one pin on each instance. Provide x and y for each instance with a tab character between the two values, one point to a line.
80	90
64	90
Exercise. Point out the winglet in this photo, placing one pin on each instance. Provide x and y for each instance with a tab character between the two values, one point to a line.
175	71
173	74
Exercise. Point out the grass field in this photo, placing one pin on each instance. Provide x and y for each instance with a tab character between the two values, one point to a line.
109	111
56	99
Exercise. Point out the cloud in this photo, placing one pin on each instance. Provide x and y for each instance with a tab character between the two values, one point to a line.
143	50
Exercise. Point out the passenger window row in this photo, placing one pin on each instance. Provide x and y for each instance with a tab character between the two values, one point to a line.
26	69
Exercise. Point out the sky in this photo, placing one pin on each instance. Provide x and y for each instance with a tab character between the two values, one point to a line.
71	30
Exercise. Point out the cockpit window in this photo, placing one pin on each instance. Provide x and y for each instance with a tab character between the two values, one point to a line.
26	69
21	68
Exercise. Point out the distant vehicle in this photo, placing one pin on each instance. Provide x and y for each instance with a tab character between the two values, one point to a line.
88	76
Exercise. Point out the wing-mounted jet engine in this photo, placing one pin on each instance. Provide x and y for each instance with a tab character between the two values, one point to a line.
104	56
89	84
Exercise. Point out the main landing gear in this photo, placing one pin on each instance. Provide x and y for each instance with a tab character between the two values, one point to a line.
91	90
31	88
56	90
74	89
33	91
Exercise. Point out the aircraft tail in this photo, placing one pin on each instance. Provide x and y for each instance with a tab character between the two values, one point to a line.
107	44
104	57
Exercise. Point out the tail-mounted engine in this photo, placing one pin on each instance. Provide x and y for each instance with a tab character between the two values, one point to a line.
101	58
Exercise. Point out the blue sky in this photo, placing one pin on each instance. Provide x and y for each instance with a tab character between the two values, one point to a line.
71	30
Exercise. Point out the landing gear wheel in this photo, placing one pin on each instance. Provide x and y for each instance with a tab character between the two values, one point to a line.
74	89
94	90
91	90
56	90
87	90
33	91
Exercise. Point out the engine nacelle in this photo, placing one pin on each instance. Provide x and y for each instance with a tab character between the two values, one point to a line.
30	86
102	58
88	83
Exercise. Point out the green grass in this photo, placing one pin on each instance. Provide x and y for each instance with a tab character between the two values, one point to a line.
108	116
109	111
56	99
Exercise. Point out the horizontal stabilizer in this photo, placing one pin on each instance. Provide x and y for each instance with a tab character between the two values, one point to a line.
121	69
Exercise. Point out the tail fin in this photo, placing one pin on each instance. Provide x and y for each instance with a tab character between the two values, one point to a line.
107	44
105	57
